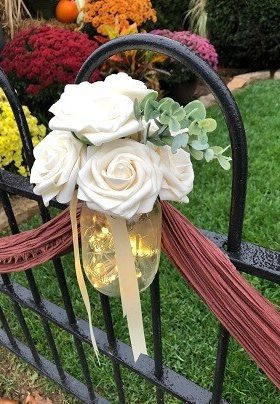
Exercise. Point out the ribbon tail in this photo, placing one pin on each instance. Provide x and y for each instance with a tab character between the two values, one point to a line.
129	290
79	271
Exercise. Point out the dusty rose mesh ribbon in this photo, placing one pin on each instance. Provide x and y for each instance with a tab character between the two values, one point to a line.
250	318
34	247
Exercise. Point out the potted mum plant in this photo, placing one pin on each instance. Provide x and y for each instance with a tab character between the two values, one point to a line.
179	82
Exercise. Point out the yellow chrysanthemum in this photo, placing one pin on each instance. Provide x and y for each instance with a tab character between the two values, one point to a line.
11	151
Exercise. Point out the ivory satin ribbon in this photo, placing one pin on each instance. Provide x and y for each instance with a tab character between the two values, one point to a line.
79	271
129	289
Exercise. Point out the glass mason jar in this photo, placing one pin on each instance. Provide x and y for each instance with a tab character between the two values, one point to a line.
98	249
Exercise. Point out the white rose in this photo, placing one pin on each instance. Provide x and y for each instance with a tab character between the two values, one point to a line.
178	174
121	178
122	83
58	159
95	112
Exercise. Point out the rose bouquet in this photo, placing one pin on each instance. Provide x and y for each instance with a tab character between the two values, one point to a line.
122	149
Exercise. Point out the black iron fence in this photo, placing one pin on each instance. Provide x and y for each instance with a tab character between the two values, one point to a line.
246	257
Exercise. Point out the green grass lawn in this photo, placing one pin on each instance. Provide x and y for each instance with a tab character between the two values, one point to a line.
189	329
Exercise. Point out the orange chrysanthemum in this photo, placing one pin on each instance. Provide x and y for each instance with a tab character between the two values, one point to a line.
102	13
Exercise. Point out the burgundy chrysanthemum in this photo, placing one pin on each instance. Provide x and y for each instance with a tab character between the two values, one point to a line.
42	56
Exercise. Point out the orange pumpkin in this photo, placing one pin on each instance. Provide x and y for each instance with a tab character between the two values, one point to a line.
66	11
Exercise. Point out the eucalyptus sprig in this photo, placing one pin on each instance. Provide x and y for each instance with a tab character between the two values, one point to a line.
180	127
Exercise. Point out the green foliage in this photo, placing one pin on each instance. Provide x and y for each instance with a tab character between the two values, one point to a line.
170	13
246	32
180	127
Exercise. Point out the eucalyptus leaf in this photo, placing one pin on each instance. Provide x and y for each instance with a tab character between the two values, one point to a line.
164	118
197	145
217	149
194	129
203	137
180	140
148	110
179	114
209	155
151	96
208	124
154	114
174	107
174	125
165	103
184	123
197	154
195	110
224	162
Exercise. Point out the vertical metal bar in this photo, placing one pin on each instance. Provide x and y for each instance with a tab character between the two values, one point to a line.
8	330
85	367
32	284
22	321
219	375
107	315
45	324
157	337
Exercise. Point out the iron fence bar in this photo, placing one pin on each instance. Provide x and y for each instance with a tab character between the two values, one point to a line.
48	369
220	364
45	324
59	270
8	331
172	382
32	284
85	367
222	351
21	320
54	350
19	117
157	337
107	315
